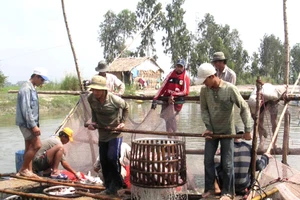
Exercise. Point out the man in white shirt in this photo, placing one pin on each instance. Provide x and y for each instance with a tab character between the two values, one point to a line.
223	71
115	85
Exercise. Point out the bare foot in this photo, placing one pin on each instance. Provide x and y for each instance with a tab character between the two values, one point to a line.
208	194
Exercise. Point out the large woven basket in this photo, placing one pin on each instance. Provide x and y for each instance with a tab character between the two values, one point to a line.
157	163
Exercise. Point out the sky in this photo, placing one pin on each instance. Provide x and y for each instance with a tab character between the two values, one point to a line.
33	32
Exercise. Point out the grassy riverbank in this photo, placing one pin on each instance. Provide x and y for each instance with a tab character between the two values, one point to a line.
48	103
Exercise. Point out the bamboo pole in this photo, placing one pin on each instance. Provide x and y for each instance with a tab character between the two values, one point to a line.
266	194
285	144
167	133
66	183
71	44
30	195
255	131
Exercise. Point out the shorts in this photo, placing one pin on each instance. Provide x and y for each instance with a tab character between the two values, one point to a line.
41	163
27	133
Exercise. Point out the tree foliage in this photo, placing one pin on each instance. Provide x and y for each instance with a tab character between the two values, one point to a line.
212	37
177	41
146	11
272	58
295	63
114	31
3	79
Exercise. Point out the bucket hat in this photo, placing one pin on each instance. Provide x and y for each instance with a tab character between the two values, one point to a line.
218	56
41	72
102	66
98	83
205	70
68	132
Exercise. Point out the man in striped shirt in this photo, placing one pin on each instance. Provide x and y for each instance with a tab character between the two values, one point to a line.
223	71
242	167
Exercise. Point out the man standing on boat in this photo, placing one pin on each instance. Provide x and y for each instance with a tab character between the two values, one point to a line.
108	111
115	85
223	71
217	99
174	88
27	118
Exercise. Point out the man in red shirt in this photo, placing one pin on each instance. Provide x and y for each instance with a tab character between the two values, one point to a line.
173	90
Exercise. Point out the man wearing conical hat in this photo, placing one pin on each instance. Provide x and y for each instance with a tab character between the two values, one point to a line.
51	153
109	111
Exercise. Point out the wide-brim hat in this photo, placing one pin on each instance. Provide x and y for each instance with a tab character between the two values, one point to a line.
205	70
102	66
218	56
98	83
41	72
68	132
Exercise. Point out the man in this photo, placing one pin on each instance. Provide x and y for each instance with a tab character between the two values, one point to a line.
223	72
270	96
108	111
217	99
174	88
242	167
124	161
27	118
51	154
115	85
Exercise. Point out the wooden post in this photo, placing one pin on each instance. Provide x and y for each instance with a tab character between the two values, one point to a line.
255	129
285	143
71	44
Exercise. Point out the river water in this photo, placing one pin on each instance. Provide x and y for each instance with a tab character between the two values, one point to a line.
189	122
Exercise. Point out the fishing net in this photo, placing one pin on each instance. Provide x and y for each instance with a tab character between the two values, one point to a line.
82	153
277	181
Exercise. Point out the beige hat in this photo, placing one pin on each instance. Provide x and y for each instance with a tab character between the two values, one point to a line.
98	83
102	66
205	70
218	56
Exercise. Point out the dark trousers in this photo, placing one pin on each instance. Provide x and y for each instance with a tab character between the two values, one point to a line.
109	158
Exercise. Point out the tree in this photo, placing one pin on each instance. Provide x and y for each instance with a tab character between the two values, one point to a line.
2	79
178	39
212	37
114	31
271	53
295	63
146	11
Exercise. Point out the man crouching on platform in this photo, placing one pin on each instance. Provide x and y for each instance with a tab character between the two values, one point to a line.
51	154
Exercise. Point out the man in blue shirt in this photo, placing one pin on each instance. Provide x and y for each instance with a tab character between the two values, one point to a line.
27	118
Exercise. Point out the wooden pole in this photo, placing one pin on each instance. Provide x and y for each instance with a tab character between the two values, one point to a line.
255	129
265	194
71	44
285	144
66	183
30	195
167	133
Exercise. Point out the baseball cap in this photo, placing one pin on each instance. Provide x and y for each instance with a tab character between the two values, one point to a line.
68	132
42	72
181	62
205	70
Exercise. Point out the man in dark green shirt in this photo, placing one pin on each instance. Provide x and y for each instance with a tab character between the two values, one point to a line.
217	99
108	111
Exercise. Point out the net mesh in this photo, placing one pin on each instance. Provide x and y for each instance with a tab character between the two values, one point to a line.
83	152
280	176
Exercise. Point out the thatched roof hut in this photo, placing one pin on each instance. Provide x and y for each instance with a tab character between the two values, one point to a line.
129	70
